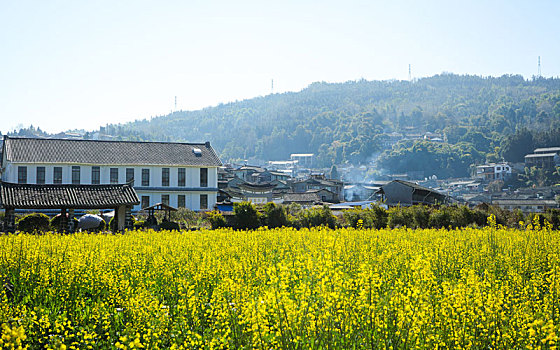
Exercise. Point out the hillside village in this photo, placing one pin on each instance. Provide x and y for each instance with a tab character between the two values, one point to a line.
296	180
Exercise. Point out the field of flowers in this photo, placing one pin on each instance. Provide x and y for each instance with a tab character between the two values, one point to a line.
282	288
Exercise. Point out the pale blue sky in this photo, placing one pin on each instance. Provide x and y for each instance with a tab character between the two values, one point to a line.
82	64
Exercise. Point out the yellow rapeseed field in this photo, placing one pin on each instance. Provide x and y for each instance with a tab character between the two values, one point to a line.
282	288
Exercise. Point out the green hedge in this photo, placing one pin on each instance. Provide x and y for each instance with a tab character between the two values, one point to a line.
35	222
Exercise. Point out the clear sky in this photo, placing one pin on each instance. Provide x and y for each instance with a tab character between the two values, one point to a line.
82	64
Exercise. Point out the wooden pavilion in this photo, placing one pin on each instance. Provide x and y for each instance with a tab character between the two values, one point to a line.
167	209
67	198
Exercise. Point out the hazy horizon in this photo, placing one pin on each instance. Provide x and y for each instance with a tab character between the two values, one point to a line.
83	65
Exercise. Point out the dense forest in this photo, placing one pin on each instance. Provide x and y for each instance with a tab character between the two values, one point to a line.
478	118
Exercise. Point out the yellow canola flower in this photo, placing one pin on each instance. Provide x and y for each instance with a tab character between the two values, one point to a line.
279	288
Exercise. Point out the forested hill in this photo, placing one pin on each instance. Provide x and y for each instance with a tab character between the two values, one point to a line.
347	122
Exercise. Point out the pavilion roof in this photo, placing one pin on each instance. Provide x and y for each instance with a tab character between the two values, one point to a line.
51	196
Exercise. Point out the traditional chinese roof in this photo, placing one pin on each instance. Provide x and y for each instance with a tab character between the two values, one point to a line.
161	206
305	197
265	187
31	196
415	186
101	152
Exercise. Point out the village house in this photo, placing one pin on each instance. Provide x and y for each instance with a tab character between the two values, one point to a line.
543	158
254	193
317	182
304	160
493	171
176	174
526	205
404	193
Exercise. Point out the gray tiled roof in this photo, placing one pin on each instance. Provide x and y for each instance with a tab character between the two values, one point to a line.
29	196
415	186
301	197
31	150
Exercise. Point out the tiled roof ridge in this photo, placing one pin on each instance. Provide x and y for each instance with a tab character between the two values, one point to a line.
14	184
33	196
119	141
36	150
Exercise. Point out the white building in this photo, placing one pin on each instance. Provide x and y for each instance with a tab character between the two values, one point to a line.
303	159
178	174
493	171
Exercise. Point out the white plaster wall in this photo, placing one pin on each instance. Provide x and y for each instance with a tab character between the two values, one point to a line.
192	198
10	174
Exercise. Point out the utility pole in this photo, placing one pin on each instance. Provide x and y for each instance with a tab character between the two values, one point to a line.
272	87
409	73
539	70
175	103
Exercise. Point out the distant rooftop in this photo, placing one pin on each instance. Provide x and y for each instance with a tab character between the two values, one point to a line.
540	155
547	150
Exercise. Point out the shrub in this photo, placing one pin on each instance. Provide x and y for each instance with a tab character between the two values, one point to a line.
380	216
139	224
35	222
399	217
216	219
353	216
169	225
315	216
479	217
184	215
275	215
420	215
55	223
134	222
461	216
553	216
440	218
246	216
373	217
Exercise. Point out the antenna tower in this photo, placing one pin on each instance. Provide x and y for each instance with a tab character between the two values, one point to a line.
539	70
175	103
409	73
272	87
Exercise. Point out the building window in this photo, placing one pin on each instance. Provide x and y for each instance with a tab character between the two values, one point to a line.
40	175
22	174
165	176
181	201
114	175
75	175
57	175
129	175
95	178
203	201
182	177
145	201
203	177
165	199
145	177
